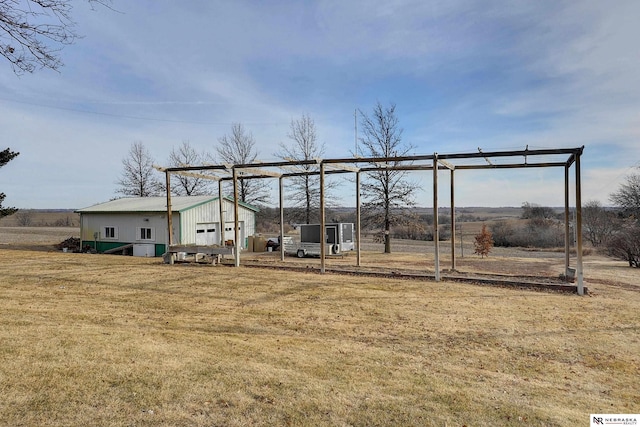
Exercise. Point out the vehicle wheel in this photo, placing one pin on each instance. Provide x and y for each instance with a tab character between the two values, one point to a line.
300	253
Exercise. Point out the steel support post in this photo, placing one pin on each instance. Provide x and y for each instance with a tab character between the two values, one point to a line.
323	236
567	231
436	234
579	271
236	228
169	216
281	193
221	208
358	212
453	222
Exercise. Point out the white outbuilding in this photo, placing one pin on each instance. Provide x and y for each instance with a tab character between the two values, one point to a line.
139	225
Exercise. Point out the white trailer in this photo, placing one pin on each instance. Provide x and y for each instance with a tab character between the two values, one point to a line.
338	238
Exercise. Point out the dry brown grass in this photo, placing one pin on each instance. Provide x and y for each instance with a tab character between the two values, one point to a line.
108	340
35	238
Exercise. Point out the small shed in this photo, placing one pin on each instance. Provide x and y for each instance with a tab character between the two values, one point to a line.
139	226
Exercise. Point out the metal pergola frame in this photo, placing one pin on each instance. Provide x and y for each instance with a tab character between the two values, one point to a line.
435	162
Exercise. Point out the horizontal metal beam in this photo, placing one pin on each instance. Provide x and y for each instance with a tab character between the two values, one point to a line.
261	172
257	169
512	166
337	166
541	152
446	164
276	164
380	159
197	175
196	168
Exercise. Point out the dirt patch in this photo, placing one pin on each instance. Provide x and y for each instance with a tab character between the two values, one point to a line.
512	264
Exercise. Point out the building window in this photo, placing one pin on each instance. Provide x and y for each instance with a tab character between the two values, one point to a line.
145	233
110	232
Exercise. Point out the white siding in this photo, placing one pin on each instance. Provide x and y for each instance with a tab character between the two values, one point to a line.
248	217
210	213
128	224
189	218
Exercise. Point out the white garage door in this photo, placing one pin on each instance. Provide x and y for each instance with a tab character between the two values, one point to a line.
207	234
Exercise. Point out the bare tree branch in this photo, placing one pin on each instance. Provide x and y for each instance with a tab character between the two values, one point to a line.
32	32
625	242
305	189
139	178
186	155
600	224
239	148
628	196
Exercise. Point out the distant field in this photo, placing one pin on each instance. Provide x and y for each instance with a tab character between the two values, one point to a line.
35	238
61	217
115	341
42	218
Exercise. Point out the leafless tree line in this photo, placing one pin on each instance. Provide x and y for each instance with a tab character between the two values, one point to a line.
617	231
387	194
140	179
612	230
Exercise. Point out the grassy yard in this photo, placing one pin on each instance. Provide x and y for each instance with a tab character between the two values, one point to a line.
119	341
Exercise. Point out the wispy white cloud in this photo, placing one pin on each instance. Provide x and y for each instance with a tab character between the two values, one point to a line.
463	73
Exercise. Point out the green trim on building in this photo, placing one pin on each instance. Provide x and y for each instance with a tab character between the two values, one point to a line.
103	246
228	199
100	247
197	205
243	204
160	249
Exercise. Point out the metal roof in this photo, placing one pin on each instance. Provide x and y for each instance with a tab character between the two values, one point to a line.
153	204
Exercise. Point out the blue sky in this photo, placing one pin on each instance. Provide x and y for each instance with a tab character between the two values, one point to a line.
500	75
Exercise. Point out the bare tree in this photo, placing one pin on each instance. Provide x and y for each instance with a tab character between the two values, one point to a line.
625	243
239	148
535	211
600	224
628	196
387	193
139	178
25	218
32	32
305	189
186	155
5	157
